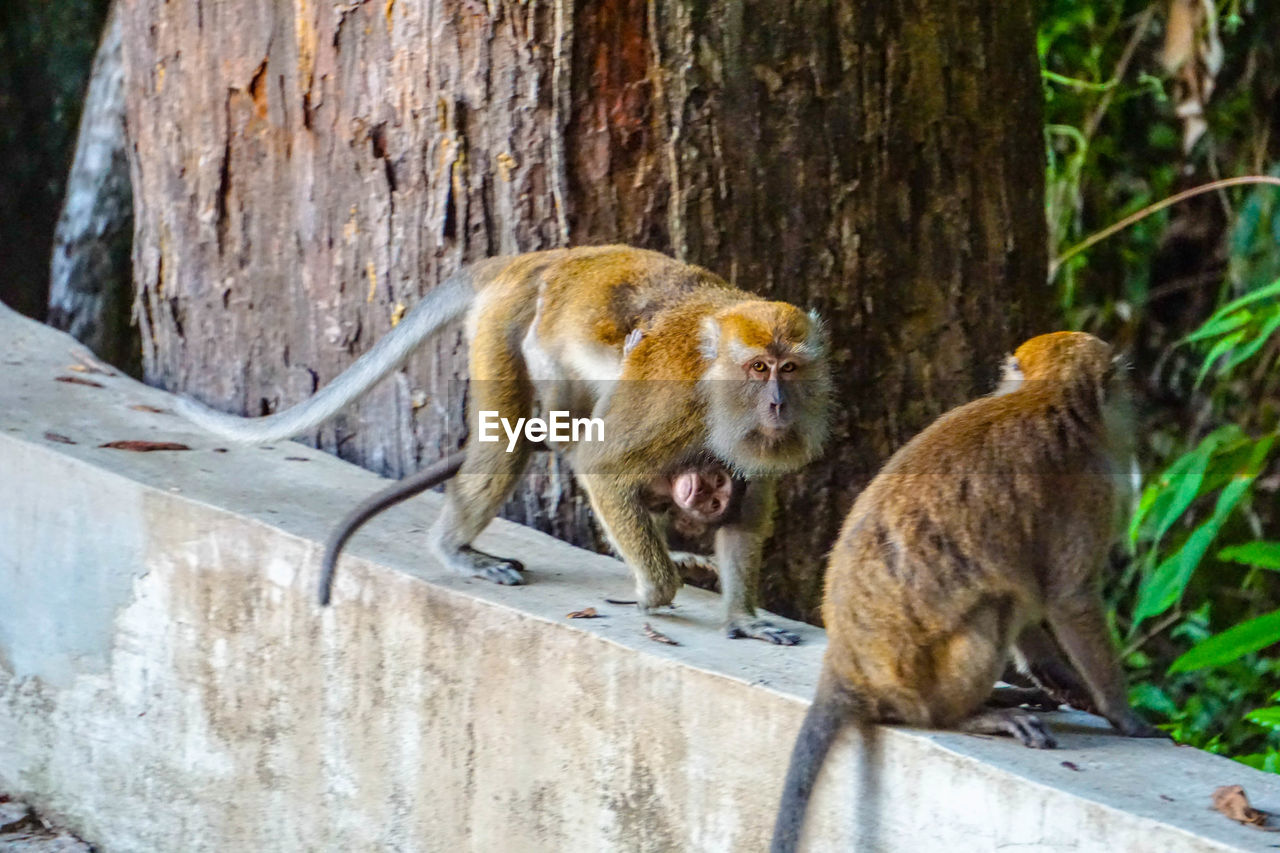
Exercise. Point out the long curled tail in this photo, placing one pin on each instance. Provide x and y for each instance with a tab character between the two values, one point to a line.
428	478
832	707
438	308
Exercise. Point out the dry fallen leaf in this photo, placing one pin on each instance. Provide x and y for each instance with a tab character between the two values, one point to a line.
1070	765
90	364
1232	802
58	437
144	446
76	380
586	613
142	407
658	636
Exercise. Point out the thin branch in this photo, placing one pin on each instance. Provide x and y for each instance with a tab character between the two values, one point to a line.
1169	618
1091	126
1156	207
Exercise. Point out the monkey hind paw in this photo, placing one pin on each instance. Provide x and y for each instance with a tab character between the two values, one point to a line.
504	575
499	570
1023	725
761	630
1134	726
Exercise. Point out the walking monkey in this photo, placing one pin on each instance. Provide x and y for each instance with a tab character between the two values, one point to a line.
717	373
993	520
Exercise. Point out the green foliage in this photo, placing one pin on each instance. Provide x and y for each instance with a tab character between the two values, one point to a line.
1198	609
1210	489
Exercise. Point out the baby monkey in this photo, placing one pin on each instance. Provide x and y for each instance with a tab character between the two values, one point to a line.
981	539
693	499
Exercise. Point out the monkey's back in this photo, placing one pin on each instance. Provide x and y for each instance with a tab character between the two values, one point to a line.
955	529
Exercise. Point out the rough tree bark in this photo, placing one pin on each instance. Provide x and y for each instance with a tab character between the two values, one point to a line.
90	286
302	171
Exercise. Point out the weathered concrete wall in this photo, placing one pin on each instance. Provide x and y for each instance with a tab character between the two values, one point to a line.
168	683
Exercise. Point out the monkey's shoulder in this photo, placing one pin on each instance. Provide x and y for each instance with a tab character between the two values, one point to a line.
998	427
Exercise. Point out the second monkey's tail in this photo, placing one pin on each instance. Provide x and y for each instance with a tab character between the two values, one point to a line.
832	707
439	307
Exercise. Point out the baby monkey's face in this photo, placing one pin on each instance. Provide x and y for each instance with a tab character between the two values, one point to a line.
702	493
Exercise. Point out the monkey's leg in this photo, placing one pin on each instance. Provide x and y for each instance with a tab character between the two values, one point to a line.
966	663
490	473
1080	628
1039	657
472	499
738	554
633	533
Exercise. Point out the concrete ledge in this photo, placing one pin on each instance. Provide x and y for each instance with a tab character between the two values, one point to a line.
167	681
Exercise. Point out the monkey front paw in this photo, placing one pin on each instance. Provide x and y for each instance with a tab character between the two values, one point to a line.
650	597
759	629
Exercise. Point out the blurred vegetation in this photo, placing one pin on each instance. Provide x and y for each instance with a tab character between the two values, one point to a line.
1145	99
46	50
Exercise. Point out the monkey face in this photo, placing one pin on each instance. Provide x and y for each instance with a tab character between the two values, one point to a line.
702	494
768	386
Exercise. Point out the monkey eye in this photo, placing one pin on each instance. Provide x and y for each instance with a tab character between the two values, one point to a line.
788	367
719	480
760	367
715	506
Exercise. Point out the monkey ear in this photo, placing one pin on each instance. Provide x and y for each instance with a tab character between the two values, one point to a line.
710	338
818	341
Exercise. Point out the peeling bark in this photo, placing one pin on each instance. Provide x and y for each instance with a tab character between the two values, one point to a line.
302	172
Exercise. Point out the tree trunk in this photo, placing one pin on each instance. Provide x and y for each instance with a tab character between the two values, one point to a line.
90	292
46	48
302	172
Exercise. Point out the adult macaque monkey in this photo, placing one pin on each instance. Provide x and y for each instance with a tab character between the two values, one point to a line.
691	500
717	373
993	519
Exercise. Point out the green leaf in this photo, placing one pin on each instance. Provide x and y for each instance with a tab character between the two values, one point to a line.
1247	351
1183	481
1250	636
1183	488
1215	326
1269	717
1265	555
1165	585
1148	499
1272	289
1223	346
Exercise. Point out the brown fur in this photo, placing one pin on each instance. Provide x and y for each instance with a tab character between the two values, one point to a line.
995	517
678	398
